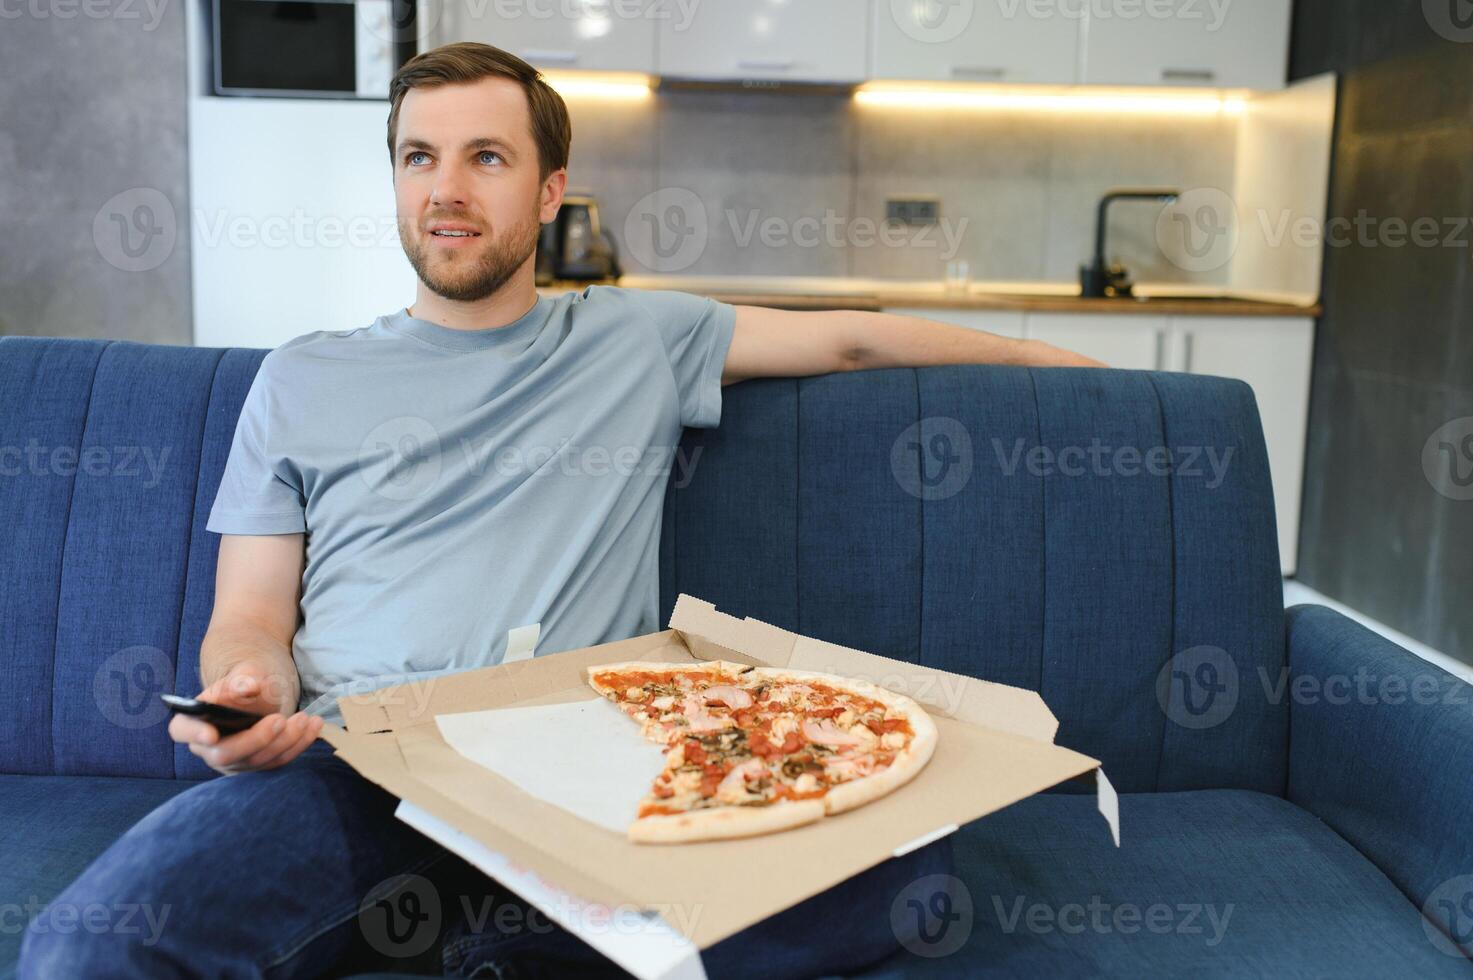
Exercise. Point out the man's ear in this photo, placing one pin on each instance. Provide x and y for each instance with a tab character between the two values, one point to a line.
552	195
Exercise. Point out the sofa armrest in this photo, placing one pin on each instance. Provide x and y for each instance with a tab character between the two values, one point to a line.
1381	749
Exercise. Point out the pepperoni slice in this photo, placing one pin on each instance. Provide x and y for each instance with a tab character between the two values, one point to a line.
760	745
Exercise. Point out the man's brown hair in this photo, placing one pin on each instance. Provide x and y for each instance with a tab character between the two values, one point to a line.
469	61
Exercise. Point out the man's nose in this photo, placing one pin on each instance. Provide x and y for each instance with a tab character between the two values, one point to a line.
450	186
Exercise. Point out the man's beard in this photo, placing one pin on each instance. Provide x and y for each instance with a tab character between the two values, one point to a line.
465	277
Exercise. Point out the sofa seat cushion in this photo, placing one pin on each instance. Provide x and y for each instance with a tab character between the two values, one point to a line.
51	827
1206	884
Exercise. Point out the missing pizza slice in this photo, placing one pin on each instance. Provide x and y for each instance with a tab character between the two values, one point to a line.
755	750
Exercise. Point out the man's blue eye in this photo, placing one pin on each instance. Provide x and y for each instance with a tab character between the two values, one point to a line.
489	153
410	159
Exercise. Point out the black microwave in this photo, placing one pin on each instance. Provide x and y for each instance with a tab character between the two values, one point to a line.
333	49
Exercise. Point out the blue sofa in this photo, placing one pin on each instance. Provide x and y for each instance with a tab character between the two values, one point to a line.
1281	814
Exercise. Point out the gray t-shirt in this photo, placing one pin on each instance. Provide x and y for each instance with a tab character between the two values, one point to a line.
455	484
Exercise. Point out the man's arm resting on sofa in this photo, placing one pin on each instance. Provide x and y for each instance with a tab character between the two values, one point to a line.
1381	747
791	343
246	656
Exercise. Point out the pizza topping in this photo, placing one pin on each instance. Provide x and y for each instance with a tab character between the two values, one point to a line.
784	725
825	732
790	693
842	768
733	786
729	695
768	746
700	719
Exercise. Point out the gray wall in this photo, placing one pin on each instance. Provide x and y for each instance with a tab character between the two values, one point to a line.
93	107
1017	189
1386	527
93	149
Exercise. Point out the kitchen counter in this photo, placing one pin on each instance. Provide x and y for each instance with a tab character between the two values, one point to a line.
816	293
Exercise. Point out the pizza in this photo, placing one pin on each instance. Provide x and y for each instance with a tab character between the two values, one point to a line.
754	750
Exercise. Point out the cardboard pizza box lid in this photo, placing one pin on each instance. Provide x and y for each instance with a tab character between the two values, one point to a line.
995	748
713	635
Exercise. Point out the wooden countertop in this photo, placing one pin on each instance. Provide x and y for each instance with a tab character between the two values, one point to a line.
936	299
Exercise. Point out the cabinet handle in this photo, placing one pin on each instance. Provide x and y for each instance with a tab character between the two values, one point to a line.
547	56
1188	75
1186	353
767	64
978	71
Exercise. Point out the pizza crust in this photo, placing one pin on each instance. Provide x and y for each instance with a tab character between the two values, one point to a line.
724	822
719	668
907	763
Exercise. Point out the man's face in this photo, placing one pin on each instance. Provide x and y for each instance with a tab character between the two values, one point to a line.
465	161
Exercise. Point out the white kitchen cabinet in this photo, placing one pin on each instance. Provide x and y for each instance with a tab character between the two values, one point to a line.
1121	340
1275	356
1242	44
1004	323
967	43
786	40
553	36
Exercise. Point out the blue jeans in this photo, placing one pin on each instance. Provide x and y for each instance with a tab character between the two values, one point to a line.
303	871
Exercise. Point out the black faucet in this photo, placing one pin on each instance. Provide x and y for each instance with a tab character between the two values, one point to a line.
1098	279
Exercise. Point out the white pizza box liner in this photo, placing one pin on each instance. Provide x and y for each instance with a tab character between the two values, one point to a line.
995	747
586	757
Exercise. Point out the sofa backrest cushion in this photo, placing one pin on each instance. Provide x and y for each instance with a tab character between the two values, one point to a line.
951	516
1103	586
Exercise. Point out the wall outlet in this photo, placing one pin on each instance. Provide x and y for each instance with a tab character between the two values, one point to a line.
913	210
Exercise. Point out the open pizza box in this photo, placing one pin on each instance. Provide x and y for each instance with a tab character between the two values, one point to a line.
538	823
